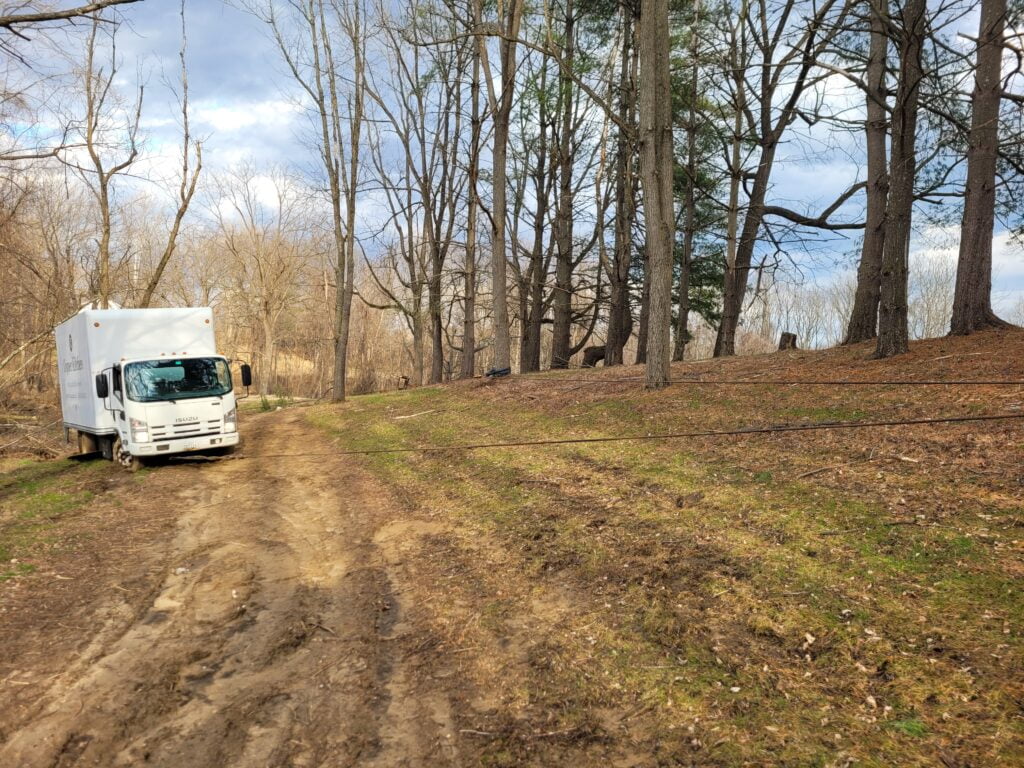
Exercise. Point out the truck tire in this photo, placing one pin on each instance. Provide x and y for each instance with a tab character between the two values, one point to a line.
125	459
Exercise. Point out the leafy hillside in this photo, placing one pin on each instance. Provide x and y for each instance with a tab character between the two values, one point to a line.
806	598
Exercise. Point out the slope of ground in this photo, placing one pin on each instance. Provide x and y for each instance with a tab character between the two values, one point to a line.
809	598
813	598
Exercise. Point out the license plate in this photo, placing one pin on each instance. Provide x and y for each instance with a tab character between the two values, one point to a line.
191	446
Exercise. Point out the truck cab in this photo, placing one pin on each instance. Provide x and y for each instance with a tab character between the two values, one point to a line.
170	405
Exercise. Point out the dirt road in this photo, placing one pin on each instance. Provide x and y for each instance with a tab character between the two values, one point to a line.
277	637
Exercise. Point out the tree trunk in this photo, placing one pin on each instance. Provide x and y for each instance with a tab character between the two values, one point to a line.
972	299
418	364
893	334
468	363
267	368
656	167
533	284
645	316
561	342
682	333
620	317
502	114
434	307
863	323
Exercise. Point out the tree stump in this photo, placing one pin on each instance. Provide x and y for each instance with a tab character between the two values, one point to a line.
787	341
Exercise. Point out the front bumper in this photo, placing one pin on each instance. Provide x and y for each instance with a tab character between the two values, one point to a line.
185	444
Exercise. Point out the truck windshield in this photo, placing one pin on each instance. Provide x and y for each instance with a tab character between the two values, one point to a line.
154	380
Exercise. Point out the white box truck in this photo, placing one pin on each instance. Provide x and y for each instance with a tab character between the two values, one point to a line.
137	383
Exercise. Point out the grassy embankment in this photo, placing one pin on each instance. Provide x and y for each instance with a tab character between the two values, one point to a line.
798	599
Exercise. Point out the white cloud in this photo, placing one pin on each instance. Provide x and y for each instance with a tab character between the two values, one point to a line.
1007	256
271	113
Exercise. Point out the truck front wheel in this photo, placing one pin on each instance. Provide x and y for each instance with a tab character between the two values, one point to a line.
125	459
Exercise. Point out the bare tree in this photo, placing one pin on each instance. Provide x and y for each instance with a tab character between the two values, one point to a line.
468	361
863	323
111	149
620	315
769	95
972	302
263	220
893	333
501	112
313	65
15	22
189	175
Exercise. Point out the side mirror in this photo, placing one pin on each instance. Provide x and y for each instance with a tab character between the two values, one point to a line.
246	375
102	388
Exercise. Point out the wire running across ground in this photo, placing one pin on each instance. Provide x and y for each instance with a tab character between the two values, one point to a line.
796	382
772	429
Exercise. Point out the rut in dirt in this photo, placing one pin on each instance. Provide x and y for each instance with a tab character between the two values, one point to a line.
277	636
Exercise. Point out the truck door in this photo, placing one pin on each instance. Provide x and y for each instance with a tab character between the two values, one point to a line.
117	398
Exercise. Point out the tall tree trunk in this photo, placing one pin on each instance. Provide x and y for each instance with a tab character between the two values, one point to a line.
561	342
620	316
682	332
972	299
863	323
502	113
656	167
468	363
533	283
345	274
893	333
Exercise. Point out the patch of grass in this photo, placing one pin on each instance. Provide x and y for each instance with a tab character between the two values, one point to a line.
830	413
18	569
910	726
34	497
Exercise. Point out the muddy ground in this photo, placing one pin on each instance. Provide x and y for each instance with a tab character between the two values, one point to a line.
242	613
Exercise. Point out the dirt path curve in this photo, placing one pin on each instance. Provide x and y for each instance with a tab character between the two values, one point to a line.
277	638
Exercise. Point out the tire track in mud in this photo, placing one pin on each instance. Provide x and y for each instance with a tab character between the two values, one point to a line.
276	639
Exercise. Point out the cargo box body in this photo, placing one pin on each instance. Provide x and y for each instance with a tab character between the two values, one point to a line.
95	340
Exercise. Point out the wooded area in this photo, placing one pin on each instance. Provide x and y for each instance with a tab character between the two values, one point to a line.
524	185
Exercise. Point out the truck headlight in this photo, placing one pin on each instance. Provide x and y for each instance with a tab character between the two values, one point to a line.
140	431
231	420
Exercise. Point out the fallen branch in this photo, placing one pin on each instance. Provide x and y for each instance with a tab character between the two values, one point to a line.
414	415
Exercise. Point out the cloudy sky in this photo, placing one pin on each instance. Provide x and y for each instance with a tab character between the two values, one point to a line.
245	106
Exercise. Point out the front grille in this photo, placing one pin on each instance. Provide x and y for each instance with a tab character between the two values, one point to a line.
191	429
183	436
